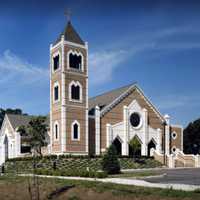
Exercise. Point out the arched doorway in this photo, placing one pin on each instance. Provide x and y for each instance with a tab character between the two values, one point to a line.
118	145
6	147
152	144
135	147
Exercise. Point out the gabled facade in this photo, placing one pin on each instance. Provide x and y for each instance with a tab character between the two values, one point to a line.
11	143
121	115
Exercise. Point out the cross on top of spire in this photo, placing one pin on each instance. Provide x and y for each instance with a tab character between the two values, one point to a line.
68	14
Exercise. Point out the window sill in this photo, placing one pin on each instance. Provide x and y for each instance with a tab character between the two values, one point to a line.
75	101
57	70
57	101
75	70
75	140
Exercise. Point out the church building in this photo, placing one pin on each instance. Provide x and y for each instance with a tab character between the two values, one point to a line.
81	125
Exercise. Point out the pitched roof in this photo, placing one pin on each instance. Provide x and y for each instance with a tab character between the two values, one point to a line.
107	98
18	120
70	35
22	120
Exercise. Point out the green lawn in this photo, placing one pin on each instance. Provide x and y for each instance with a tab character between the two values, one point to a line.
17	188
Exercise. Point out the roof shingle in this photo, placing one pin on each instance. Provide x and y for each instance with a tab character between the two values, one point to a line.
70	35
106	98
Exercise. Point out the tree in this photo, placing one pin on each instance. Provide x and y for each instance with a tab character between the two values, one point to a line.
192	138
36	131
110	162
135	147
9	111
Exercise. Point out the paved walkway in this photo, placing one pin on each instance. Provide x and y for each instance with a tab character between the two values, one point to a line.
188	176
127	181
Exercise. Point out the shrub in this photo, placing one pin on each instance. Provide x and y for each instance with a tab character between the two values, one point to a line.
80	173
110	163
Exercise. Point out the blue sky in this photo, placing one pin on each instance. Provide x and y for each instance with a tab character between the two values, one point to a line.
155	43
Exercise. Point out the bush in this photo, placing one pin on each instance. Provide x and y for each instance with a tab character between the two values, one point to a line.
110	162
80	173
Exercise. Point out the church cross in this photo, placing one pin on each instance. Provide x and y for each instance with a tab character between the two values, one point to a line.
67	14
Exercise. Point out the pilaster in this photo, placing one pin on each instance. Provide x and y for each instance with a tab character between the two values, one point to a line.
145	133
167	134
97	130
63	100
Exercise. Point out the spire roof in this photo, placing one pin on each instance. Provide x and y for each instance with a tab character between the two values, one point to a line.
70	35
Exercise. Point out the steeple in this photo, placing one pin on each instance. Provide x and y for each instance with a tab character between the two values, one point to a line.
70	35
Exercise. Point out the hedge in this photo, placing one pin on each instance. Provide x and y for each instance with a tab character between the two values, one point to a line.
80	173
69	162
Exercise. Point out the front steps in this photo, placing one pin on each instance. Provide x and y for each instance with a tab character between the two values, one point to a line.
179	159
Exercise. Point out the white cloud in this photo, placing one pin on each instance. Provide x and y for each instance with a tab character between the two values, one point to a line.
15	69
102	65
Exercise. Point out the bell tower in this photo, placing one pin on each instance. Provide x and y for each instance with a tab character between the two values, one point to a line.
69	93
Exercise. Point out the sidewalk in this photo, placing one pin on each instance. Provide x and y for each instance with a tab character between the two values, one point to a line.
124	181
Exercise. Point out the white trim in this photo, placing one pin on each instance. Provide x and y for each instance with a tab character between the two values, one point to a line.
78	53
72	131
147	100
97	130
181	139
56	45
54	131
50	82
71	44
57	53
75	44
125	149
75	83
176	126
63	101
56	84
122	96
79	73
119	138
172	135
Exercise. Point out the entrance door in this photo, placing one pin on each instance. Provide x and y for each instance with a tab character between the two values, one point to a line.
6	147
150	146
118	146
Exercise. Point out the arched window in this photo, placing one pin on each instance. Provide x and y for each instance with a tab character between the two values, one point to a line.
56	61
75	60
56	130
56	92
75	91
75	130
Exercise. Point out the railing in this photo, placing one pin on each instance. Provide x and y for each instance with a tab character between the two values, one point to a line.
178	160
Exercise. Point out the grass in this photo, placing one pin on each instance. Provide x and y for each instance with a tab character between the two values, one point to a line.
12	187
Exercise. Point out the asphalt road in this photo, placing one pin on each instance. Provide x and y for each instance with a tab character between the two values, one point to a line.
179	176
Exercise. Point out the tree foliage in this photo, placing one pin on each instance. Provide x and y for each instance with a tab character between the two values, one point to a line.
36	131
9	111
135	146
192	138
110	162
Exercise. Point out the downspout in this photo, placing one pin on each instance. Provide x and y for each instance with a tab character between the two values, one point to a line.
164	157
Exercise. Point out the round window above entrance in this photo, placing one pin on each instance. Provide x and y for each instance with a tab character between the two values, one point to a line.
135	120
